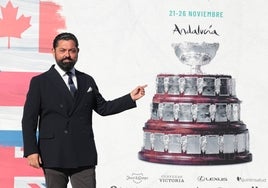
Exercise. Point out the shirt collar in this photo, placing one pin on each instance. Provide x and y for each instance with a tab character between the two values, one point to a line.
62	72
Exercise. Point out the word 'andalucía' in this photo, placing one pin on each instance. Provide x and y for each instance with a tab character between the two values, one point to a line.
195	31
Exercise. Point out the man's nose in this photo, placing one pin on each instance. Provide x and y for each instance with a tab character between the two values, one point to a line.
67	54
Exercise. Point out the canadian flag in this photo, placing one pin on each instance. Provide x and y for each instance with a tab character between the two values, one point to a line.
29	25
27	29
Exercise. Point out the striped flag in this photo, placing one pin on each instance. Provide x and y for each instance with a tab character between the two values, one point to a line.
27	29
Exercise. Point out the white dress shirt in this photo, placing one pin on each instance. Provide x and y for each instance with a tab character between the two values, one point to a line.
65	76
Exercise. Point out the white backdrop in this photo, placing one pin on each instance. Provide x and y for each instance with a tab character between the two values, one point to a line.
125	43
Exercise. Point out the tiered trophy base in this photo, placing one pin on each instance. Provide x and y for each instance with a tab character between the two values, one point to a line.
186	159
195	118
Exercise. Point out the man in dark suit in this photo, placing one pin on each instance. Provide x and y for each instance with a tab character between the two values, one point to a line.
59	105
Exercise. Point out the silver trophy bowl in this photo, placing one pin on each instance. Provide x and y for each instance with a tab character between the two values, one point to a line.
195	54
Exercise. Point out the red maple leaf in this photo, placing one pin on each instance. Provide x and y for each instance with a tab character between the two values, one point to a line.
10	26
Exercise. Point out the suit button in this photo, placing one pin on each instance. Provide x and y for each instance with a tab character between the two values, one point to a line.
61	105
66	131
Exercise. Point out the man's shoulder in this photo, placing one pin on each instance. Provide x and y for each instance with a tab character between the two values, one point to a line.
43	75
79	73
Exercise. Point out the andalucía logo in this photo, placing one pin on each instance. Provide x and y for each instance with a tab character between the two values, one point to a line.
199	30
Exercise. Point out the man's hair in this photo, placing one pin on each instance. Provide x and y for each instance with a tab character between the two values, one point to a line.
65	36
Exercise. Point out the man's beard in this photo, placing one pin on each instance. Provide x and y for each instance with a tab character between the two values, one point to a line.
66	66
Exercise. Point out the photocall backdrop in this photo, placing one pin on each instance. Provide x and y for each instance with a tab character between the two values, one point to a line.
125	43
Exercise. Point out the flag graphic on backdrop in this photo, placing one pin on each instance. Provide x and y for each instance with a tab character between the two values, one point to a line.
26	31
29	24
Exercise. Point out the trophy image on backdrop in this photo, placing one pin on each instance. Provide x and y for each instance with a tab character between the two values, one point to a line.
195	117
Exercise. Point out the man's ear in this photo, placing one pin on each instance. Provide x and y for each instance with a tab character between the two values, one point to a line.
53	51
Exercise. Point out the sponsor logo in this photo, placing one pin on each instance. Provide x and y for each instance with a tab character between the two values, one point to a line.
244	180
137	178
211	179
171	179
195	30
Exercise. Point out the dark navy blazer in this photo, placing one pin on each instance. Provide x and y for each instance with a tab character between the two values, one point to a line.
64	123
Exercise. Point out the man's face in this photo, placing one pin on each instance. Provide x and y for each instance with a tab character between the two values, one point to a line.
66	54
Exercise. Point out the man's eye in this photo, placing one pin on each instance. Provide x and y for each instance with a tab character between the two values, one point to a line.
73	51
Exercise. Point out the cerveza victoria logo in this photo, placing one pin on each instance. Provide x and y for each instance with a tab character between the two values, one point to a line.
171	179
197	30
211	179
137	177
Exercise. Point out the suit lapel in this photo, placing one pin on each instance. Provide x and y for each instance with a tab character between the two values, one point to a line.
57	80
63	91
81	87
